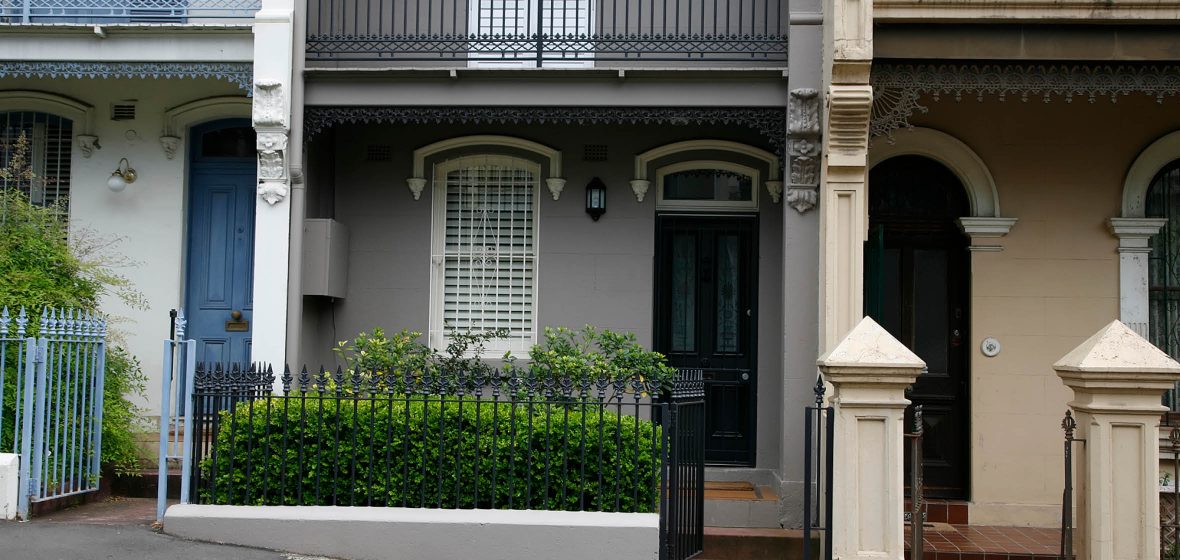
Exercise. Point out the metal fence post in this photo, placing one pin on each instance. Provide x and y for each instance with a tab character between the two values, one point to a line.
100	386
165	421
26	449
40	403
190	366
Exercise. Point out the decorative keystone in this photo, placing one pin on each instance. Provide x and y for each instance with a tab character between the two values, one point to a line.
870	354
1116	357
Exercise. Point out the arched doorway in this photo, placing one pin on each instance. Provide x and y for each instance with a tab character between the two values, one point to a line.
917	270
220	257
1163	285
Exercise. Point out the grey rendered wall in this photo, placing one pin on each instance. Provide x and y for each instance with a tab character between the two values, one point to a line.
599	273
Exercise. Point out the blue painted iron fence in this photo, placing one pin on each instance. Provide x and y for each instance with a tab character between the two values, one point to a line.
51	398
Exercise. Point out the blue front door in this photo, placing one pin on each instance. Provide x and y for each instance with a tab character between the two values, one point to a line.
220	279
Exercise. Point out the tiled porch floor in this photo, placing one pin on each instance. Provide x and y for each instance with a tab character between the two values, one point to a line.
974	542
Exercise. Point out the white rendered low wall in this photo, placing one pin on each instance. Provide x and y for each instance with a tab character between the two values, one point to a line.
361	533
9	472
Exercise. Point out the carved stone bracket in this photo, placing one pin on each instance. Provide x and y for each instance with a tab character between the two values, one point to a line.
640	188
556	185
87	143
416	186
899	88
803	147
170	145
270	120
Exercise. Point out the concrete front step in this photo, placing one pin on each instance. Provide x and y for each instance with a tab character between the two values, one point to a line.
735	543
740	504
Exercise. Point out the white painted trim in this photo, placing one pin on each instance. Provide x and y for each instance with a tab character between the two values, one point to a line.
81	113
663	204
643	160
1150	161
178	119
949	151
1134	231
436	335
482	140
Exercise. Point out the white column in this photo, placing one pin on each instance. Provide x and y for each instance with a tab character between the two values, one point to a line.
869	370
1134	248
272	116
1117	379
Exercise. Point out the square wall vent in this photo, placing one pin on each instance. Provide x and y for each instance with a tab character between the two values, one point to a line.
379	152
123	112
594	152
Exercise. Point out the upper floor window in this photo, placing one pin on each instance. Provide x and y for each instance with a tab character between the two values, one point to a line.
484	250
35	156
708	185
1163	201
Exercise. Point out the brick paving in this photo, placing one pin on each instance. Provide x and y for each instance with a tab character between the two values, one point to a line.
975	542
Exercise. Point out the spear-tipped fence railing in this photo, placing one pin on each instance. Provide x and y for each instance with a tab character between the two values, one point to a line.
819	431
917	511
51	400
1170	498
1068	425
491	439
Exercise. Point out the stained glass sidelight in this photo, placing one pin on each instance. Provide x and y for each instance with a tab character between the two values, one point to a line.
1163	201
728	283
684	292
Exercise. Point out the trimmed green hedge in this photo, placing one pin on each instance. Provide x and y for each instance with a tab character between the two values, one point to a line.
426	454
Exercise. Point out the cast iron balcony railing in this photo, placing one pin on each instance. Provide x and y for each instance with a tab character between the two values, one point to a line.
126	11
550	33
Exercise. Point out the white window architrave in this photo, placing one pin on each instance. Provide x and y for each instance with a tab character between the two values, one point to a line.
523	334
1134	231
710	205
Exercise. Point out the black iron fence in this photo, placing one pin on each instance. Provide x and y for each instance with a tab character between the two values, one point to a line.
1170	496
507	439
548	32
1069	426
915	491
819	430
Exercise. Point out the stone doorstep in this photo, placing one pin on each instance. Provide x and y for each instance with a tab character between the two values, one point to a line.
740	504
734	543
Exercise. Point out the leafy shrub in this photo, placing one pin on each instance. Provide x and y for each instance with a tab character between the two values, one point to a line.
40	267
577	355
321	450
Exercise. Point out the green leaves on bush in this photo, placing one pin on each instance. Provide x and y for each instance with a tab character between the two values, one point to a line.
416	452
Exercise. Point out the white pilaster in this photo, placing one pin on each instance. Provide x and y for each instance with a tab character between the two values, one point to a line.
272	220
1134	248
869	370
1117	379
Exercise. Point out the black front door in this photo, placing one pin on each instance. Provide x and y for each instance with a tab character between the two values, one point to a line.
916	273
706	283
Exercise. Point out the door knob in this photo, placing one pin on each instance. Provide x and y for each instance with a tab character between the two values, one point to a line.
235	315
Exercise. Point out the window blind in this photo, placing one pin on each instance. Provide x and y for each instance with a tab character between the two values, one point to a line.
489	256
48	142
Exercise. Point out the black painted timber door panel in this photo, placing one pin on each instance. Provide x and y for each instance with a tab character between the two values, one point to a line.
916	287
706	275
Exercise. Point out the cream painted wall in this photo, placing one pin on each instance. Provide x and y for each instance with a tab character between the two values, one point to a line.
147	219
1059	169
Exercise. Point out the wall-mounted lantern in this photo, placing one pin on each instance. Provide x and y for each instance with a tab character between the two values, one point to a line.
596	198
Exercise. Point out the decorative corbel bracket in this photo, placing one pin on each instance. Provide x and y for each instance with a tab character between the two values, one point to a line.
556	185
775	190
87	143
270	120
170	145
416	185
803	148
640	188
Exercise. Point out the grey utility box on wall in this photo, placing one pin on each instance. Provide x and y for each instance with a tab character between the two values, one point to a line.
325	258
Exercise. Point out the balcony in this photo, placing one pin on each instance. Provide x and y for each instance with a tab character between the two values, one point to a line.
547	33
103	12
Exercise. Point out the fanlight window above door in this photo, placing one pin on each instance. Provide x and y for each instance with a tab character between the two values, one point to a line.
708	185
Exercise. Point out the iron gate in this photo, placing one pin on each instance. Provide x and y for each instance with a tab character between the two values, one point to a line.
54	386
